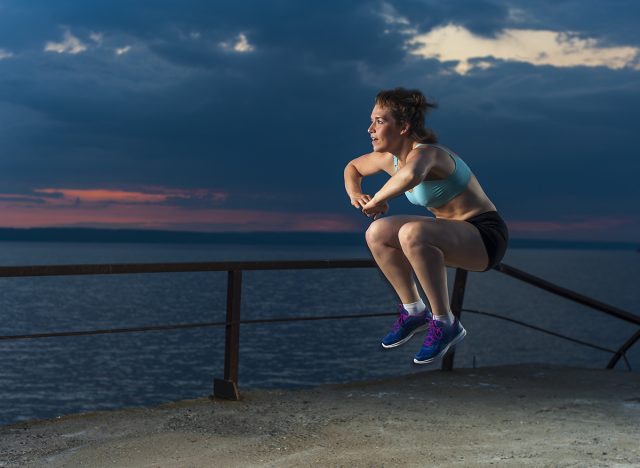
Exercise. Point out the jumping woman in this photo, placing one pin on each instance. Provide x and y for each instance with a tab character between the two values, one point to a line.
465	232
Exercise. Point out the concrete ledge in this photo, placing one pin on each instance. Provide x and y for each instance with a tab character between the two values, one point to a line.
529	415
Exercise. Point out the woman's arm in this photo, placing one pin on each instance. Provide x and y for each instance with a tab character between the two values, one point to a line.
418	164
356	170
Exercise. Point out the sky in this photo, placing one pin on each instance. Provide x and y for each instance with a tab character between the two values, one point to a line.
241	115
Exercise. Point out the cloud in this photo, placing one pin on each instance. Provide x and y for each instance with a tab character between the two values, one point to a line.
70	45
20	199
123	50
5	54
390	16
61	197
241	45
518	15
102	196
537	47
97	37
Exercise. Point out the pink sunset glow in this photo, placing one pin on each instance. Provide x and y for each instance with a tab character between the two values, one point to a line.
150	195
105	196
149	210
170	217
155	208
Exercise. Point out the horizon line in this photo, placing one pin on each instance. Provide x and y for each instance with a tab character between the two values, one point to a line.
142	235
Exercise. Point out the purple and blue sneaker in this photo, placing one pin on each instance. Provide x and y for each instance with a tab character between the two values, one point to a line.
405	327
440	338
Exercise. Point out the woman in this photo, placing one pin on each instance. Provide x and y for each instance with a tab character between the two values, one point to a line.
466	232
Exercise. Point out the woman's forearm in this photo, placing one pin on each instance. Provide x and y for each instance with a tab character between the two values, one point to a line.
399	183
352	181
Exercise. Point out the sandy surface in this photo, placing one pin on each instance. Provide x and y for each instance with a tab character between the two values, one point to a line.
504	416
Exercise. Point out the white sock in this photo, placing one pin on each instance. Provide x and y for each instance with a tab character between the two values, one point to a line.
446	319
415	308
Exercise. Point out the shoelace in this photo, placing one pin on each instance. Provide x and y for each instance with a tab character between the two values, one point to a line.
434	334
403	318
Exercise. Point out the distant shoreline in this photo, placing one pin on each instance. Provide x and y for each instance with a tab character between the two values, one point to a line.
91	235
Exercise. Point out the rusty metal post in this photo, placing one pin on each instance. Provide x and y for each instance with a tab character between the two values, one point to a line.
457	297
228	387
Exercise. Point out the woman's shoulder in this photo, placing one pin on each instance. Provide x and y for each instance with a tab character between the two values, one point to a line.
437	151
426	149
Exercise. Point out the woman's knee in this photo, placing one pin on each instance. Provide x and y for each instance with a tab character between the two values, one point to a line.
414	236
378	232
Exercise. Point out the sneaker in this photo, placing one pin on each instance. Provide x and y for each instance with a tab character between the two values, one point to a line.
439	339
405	327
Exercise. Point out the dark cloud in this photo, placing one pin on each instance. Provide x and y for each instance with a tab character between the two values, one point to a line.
179	110
613	22
479	16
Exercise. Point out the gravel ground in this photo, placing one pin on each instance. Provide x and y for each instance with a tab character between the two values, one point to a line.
528	415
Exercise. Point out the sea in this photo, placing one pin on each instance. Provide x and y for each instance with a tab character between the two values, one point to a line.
51	377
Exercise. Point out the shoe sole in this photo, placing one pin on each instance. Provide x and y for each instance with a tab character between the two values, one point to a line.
459	337
406	338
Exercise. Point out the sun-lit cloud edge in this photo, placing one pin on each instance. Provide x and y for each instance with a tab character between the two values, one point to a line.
122	50
239	44
69	45
455	43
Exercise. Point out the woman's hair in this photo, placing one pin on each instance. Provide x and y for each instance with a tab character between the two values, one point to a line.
409	106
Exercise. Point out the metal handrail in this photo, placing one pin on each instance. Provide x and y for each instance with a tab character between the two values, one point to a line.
179	267
227	387
567	293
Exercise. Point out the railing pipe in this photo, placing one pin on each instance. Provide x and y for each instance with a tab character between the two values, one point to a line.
567	293
132	268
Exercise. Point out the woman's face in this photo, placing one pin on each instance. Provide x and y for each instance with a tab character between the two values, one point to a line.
384	130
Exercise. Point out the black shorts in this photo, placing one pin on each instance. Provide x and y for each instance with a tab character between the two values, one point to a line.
495	235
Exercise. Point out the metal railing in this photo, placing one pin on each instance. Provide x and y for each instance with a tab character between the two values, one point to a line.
227	387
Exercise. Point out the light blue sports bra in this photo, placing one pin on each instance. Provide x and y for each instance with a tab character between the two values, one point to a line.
435	193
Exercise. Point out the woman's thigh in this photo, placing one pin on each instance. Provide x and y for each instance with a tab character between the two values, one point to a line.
459	241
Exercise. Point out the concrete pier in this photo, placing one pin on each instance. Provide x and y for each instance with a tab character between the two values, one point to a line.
527	415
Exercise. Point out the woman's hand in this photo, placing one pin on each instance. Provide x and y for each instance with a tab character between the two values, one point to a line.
359	200
374	209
